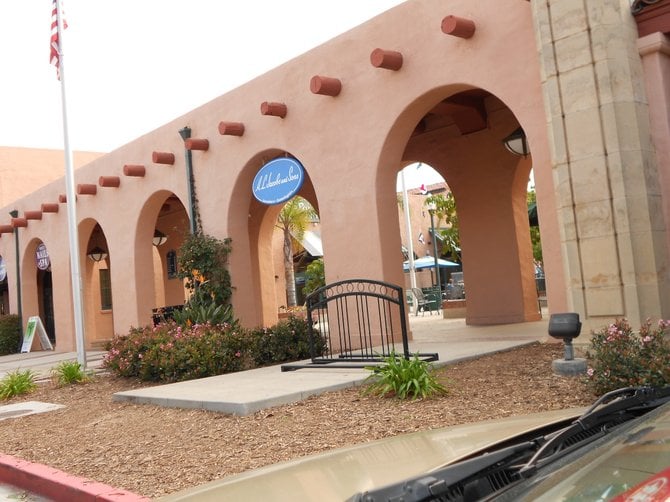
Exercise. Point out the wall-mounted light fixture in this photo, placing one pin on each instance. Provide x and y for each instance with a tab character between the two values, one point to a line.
97	254
517	143
159	238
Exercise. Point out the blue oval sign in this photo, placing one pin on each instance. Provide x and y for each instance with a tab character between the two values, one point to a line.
278	180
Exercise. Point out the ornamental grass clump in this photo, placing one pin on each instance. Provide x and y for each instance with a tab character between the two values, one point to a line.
619	357
17	382
70	372
404	379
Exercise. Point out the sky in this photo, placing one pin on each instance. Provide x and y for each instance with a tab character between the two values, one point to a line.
133	65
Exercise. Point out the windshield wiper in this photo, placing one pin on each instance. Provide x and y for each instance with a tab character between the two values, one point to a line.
451	483
490	472
609	410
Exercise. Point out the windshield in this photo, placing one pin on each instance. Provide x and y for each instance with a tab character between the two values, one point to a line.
616	466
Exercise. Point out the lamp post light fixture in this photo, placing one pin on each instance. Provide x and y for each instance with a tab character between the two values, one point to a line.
159	238
517	143
97	254
432	207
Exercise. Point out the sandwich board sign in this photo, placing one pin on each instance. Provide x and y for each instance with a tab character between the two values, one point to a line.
35	325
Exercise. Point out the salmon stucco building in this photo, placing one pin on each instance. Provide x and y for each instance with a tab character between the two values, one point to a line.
584	83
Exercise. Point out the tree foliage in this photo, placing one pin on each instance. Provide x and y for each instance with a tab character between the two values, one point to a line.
445	210
293	220
315	276
203	263
535	240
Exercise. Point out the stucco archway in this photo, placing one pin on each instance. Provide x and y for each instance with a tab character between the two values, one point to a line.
256	224
37	283
162	215
459	130
97	280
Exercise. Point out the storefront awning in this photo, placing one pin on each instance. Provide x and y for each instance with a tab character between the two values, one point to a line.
311	241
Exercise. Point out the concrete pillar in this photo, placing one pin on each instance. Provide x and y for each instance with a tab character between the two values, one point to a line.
609	197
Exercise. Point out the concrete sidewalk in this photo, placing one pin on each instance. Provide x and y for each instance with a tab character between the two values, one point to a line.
246	392
42	362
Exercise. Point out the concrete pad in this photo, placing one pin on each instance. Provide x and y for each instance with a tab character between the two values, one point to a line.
26	408
247	392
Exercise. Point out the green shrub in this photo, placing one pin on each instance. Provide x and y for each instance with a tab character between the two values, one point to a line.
315	276
203	313
618	357
10	334
170	353
288	340
203	263
69	372
17	382
403	378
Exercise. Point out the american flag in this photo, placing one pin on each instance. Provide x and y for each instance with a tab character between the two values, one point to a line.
55	42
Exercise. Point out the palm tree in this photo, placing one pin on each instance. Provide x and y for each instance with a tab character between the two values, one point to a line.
293	220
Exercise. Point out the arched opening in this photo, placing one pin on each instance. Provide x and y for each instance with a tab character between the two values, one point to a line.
460	132
257	247
170	230
97	272
4	288
45	291
162	227
37	287
296	245
429	230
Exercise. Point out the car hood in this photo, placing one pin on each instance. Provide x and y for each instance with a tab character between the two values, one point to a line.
338	474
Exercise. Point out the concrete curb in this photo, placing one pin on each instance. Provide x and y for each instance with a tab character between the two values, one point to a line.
58	485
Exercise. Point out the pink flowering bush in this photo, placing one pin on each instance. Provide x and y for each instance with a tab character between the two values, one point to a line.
170	353
619	357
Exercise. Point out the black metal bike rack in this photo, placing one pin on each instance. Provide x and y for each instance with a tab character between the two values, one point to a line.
358	323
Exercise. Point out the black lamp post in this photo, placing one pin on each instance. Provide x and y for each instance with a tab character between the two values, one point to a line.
185	134
432	207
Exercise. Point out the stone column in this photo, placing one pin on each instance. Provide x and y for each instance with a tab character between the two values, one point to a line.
605	174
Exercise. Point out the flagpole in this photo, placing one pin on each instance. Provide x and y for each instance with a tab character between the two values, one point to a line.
71	205
408	224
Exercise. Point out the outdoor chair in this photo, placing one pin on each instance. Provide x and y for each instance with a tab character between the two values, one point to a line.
425	302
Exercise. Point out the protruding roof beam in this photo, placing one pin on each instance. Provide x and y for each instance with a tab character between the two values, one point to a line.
389	60
274	109
458	27
326	86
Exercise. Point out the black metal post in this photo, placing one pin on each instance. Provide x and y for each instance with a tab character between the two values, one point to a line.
19	305
185	133
437	265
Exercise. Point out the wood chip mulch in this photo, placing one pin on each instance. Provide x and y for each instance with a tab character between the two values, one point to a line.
154	451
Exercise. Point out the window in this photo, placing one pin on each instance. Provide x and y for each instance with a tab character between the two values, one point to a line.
171	264
105	289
